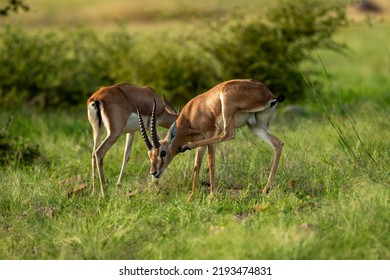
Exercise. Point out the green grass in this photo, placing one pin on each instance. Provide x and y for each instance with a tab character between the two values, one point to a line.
325	205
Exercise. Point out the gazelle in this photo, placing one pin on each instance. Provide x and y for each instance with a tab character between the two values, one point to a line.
115	107
212	117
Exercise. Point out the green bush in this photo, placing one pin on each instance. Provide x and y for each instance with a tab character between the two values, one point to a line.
270	46
15	151
49	68
175	67
62	68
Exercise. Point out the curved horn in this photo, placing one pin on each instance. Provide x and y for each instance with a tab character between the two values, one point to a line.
143	131
153	129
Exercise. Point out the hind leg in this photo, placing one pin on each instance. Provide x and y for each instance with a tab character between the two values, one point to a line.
277	145
96	138
198	162
211	162
99	156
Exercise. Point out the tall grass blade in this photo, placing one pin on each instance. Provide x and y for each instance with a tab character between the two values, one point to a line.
342	138
344	111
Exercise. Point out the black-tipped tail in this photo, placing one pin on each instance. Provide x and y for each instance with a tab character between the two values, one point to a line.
96	105
278	99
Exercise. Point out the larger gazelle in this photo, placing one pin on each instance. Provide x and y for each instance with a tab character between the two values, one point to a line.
117	108
212	117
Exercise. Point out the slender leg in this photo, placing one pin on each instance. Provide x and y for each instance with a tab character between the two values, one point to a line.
99	154
126	156
276	145
211	162
93	159
227	134
96	137
198	162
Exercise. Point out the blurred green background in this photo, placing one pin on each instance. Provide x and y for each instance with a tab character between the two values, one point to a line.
57	54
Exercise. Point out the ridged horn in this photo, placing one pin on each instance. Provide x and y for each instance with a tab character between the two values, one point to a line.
153	128
143	131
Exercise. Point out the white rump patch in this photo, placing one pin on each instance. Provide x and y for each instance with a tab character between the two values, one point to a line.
92	115
91	107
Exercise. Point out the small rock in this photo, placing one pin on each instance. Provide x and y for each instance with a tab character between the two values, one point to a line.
46	211
132	193
261	207
295	110
72	180
76	189
309	227
368	6
216	229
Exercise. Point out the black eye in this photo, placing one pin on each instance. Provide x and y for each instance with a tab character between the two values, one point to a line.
163	154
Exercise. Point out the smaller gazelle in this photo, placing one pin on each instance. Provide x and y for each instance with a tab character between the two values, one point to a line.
212	117
116	108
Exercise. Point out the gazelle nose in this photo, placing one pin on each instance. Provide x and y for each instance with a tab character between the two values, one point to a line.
153	173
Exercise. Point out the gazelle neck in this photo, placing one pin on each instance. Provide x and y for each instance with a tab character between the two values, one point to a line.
178	136
167	119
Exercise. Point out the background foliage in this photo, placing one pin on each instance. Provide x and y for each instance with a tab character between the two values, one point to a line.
63	67
271	47
8	6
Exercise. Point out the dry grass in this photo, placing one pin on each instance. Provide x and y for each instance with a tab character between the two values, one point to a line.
145	14
107	14
357	15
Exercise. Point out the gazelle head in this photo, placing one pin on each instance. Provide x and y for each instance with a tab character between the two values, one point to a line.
160	152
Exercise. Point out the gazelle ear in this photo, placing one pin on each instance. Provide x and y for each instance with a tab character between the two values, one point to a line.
172	133
168	106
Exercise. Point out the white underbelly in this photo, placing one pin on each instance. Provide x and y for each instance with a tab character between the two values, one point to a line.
243	118
132	123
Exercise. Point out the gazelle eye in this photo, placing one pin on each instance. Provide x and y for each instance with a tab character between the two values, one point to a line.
163	154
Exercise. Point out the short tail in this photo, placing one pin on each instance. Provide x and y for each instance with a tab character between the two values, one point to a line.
96	105
278	99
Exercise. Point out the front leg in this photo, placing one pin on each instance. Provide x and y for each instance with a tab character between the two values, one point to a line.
228	133
198	162
211	162
126	156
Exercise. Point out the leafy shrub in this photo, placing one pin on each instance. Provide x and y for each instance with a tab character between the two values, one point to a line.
62	68
14	150
270	46
8	6
49	68
175	67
